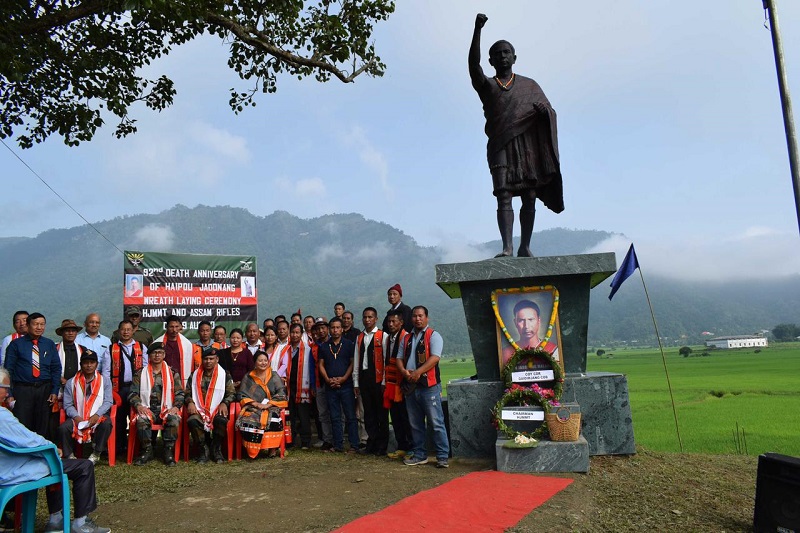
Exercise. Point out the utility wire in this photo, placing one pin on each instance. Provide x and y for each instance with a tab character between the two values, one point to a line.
60	197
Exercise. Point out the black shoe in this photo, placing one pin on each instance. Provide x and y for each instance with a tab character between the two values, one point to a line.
326	446
204	455
146	457
169	456
218	457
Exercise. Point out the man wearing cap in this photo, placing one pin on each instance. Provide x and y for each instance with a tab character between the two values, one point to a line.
68	350
156	397
324	430
19	320
179	350
140	334
209	394
35	369
70	354
395	295
87	404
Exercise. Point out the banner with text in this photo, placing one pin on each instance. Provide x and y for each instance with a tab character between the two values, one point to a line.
194	287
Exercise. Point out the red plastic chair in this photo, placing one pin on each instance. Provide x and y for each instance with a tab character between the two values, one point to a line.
112	439
133	441
231	430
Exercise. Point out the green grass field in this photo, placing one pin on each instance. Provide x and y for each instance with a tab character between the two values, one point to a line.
758	391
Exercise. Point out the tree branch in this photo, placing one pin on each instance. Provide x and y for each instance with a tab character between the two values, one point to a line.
261	41
62	17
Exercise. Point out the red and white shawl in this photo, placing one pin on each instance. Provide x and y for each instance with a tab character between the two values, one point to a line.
167	391
208	403
87	407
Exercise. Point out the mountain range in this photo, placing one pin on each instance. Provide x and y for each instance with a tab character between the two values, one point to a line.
310	264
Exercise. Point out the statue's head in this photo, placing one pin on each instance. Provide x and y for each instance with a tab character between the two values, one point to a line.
502	55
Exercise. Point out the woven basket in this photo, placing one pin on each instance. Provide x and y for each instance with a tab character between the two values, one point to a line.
563	429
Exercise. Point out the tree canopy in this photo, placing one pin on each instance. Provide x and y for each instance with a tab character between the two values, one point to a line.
67	64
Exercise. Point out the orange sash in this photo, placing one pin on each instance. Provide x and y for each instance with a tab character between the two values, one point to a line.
87	407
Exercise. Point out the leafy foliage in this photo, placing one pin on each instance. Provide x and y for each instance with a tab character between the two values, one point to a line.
786	332
64	64
685	351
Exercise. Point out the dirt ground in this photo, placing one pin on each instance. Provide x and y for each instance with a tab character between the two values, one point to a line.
314	491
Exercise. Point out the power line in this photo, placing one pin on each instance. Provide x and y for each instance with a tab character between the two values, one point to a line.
60	197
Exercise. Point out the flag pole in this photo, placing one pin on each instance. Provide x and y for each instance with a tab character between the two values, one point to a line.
664	360
786	102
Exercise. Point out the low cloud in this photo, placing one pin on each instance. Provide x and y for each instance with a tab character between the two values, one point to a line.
220	141
154	238
328	252
173	161
767	252
376	252
304	188
371	157
454	251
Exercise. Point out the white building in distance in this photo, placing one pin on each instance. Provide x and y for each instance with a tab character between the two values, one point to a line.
737	341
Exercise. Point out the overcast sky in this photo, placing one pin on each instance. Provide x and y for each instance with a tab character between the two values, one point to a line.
670	133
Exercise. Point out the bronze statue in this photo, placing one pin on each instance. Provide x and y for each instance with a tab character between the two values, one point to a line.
523	149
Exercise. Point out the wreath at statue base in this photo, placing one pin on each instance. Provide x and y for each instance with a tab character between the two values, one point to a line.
517	395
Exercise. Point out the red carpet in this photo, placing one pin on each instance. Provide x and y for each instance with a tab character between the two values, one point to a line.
480	501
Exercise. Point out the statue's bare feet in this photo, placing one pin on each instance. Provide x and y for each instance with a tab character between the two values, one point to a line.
505	253
524	252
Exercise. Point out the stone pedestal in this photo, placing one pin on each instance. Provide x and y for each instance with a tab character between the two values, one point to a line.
470	404
606	420
548	456
572	275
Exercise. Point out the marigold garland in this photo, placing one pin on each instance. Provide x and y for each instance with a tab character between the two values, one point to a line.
520	290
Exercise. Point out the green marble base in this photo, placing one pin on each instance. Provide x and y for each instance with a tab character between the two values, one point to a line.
548	456
572	275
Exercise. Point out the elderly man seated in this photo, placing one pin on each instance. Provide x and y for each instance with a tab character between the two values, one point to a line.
21	468
156	397
87	405
209	394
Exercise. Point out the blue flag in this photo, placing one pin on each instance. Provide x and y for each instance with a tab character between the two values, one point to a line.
629	264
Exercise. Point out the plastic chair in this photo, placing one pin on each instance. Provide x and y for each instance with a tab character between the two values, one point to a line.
133	441
231	430
112	439
282	447
29	489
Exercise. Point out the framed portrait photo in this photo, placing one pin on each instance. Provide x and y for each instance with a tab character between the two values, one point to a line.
527	318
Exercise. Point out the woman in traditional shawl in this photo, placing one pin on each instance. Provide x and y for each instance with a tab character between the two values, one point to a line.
262	395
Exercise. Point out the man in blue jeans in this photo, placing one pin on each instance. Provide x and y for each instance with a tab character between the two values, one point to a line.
420	369
335	370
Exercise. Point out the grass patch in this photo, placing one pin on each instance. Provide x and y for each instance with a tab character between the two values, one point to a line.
757	391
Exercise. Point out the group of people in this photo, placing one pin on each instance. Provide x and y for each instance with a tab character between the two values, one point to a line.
302	369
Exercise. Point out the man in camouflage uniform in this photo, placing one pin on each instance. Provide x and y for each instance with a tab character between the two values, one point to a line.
157	409
209	409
